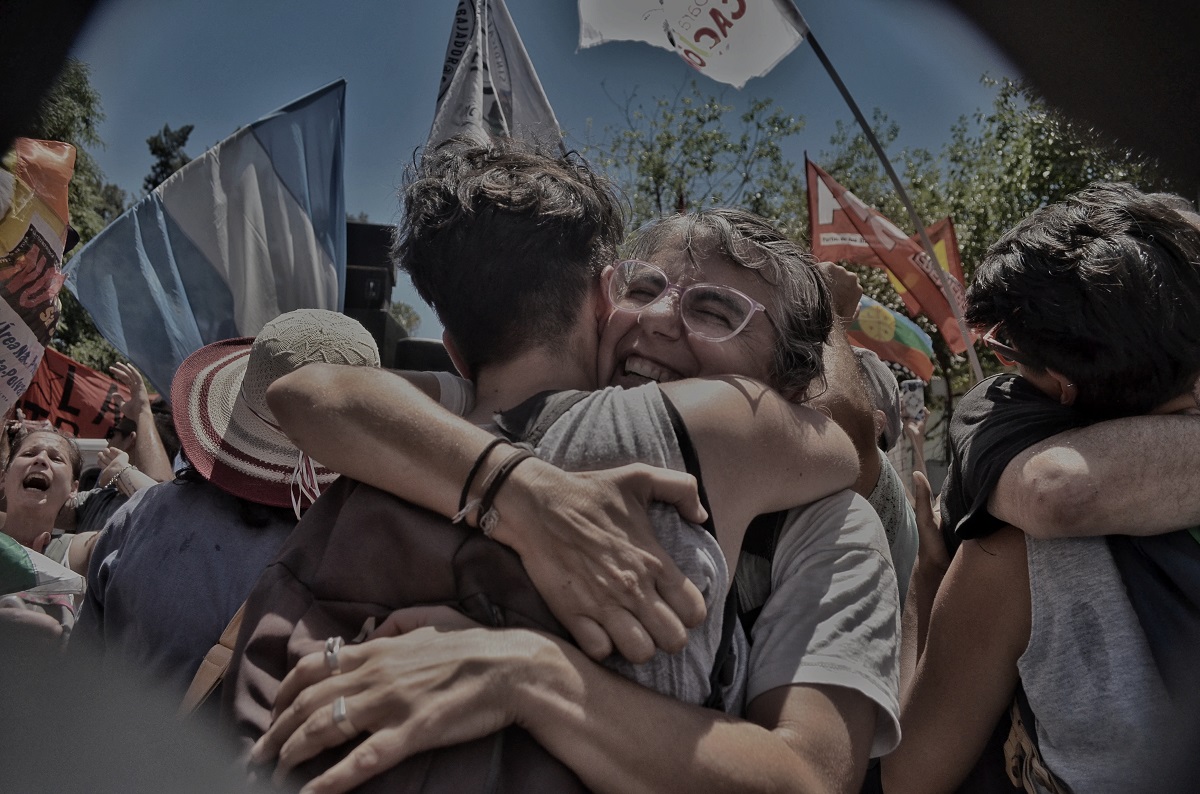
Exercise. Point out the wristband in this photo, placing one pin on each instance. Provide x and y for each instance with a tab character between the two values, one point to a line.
489	517
466	491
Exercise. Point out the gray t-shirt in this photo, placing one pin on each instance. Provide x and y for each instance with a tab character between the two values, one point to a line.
618	426
899	521
1097	698
833	613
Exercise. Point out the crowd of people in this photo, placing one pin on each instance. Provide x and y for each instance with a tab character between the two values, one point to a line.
648	536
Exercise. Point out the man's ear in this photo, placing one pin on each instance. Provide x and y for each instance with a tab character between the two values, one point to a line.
452	349
40	542
1068	392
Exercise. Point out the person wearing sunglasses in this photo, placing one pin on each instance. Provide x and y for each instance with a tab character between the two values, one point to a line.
1082	647
731	300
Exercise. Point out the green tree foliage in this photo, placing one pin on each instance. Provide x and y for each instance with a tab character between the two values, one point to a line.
166	146
998	166
693	151
406	316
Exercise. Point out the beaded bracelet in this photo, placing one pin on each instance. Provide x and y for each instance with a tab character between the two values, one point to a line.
117	476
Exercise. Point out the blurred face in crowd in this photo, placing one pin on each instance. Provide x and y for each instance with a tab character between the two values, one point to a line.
656	344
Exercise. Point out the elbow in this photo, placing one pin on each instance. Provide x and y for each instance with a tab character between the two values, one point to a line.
301	397
1058	499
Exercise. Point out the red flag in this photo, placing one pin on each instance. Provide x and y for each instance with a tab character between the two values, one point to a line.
73	397
844	228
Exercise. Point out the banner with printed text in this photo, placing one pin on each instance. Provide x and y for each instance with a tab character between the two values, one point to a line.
72	397
730	41
489	87
33	235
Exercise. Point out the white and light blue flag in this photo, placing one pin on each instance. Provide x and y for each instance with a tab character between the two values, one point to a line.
253	228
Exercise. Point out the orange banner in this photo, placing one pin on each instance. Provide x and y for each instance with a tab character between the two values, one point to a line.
846	229
74	398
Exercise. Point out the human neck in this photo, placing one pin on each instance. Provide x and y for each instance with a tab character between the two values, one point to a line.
500	387
25	522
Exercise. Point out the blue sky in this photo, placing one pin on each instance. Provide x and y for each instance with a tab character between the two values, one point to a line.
220	64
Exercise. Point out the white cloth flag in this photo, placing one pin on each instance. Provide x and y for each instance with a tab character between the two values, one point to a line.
731	41
489	86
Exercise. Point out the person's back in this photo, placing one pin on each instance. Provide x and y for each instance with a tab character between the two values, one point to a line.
175	562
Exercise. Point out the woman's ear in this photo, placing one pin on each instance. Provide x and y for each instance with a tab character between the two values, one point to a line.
452	349
40	542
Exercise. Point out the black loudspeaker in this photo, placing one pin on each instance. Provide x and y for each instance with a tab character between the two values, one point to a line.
370	274
427	355
384	328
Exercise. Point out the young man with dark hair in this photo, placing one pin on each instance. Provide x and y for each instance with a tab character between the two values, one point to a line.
1096	301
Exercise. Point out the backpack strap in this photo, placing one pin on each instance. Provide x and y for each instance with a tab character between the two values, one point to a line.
529	421
724	665
213	667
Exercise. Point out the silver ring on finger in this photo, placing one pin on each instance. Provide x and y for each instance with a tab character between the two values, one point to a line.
342	720
332	646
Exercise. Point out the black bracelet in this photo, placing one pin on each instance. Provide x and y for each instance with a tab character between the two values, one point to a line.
466	491
488	516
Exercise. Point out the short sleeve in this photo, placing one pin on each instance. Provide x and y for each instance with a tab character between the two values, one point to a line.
993	423
833	616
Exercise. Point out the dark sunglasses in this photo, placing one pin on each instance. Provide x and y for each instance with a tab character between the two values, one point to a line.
1006	353
115	431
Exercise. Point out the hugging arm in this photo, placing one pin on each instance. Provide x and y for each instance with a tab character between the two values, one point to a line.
966	673
1132	476
430	688
584	538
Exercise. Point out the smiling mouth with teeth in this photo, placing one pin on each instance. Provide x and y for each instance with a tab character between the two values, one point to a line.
644	368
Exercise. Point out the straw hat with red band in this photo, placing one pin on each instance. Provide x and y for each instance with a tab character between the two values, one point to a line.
219	397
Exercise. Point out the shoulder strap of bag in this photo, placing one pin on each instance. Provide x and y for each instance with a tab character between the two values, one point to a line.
213	668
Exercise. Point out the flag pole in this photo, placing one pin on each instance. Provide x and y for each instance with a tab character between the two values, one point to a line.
803	27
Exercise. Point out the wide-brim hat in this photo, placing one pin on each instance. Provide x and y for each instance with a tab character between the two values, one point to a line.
219	400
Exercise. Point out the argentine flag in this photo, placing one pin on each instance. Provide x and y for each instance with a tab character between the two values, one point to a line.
253	228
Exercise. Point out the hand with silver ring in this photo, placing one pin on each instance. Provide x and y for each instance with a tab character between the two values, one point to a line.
332	646
342	720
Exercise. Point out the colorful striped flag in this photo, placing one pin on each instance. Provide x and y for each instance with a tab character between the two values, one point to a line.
253	228
893	337
844	228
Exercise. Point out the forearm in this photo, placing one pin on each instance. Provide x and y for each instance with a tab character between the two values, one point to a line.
148	452
844	397
376	427
621	737
1132	476
914	624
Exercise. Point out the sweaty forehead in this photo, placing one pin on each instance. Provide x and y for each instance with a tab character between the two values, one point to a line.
42	439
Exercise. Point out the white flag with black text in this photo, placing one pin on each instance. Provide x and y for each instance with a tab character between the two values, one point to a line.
489	86
731	41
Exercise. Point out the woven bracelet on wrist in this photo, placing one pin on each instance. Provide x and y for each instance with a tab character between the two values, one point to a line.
472	474
489	517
